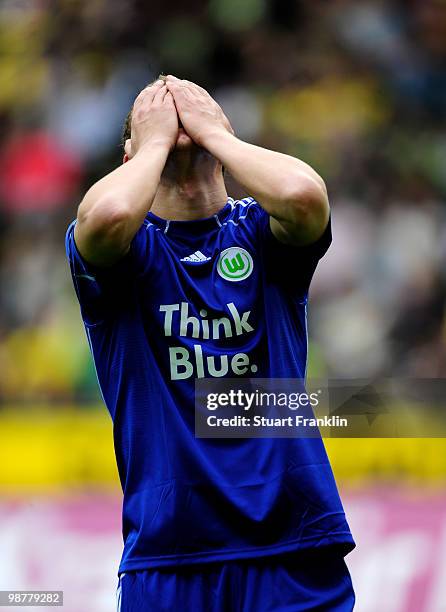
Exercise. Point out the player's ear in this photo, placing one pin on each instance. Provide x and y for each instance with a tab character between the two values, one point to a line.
127	151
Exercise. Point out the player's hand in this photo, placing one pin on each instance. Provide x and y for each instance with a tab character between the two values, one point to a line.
154	118
199	113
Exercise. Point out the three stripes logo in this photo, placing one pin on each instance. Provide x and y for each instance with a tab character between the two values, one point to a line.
196	257
235	264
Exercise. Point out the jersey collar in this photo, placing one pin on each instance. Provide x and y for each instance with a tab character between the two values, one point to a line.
197	226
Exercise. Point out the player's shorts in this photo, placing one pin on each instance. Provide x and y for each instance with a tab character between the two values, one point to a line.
316	581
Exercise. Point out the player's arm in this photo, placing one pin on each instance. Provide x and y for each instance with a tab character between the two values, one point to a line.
114	208
288	189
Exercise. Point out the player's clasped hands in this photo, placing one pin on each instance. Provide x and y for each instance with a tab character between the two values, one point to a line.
199	113
159	107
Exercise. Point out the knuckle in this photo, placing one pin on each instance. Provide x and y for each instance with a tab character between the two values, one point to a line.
139	115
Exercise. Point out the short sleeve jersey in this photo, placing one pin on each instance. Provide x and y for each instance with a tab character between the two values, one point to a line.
194	299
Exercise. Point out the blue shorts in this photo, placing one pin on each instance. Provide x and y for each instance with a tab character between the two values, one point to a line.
318	580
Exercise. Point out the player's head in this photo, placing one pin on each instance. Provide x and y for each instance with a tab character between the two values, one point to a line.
186	154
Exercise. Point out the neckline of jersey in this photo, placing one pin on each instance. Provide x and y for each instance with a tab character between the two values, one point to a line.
195	226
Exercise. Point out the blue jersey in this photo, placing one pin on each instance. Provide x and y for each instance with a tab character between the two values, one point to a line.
193	299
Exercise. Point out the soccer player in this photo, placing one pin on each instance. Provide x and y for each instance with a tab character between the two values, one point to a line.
177	281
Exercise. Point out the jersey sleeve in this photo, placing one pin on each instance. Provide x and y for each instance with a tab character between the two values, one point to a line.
101	291
291	266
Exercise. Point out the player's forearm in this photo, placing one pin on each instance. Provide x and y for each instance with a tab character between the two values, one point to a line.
286	187
114	208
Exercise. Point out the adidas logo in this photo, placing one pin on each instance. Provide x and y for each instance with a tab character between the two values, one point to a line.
196	257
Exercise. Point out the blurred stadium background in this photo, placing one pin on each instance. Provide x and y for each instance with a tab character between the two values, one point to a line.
358	89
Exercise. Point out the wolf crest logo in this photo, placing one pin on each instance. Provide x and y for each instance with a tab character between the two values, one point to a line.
235	264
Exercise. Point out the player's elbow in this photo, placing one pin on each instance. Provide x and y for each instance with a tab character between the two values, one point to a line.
105	222
307	200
